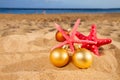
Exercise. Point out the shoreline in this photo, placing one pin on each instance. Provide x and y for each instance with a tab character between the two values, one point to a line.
66	15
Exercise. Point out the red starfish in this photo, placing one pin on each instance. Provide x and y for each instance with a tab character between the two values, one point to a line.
92	37
71	38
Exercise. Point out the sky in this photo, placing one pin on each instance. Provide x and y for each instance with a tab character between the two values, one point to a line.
59	3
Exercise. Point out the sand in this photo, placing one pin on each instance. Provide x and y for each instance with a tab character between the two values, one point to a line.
26	40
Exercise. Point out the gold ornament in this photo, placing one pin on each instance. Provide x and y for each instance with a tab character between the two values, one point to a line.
59	37
82	58
59	57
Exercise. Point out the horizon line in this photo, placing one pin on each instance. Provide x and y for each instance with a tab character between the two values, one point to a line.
57	8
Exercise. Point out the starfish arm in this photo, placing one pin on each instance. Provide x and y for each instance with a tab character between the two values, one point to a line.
87	46
92	34
62	31
59	45
94	49
85	41
73	32
101	42
81	36
72	47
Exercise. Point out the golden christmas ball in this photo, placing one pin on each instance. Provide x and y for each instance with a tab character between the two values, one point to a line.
59	57
59	37
82	58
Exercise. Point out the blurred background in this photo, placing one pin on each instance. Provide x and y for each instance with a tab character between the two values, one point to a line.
59	6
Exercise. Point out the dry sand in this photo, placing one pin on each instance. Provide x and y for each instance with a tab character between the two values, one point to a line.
25	41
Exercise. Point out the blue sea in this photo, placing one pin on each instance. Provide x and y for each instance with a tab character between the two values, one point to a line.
55	11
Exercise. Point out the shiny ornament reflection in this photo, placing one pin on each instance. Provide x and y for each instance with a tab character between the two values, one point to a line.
82	58
59	57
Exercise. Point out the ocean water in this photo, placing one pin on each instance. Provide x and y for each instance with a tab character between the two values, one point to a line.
55	11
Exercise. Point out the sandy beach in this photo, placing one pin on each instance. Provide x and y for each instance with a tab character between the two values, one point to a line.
26	40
